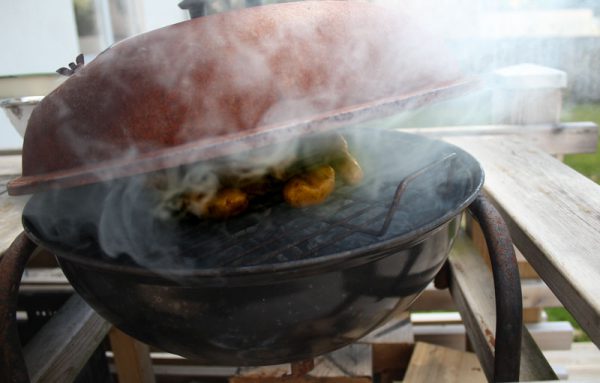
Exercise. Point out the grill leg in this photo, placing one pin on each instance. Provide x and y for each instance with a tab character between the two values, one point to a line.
12	264
507	290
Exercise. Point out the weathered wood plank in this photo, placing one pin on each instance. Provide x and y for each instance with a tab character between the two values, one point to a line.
474	232
10	165
534	365
391	343
536	294
132	358
566	138
10	207
10	224
447	335
553	214
582	362
547	335
63	346
472	287
430	363
533	315
435	318
552	335
395	331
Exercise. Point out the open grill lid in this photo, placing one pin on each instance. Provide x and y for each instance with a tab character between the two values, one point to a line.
220	84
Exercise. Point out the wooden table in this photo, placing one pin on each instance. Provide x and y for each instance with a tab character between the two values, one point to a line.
553	214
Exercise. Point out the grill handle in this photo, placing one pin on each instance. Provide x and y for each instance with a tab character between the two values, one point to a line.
12	265
507	290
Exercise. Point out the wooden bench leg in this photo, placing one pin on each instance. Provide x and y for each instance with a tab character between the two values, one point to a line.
132	358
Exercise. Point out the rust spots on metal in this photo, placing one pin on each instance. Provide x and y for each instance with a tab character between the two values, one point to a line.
303	367
490	337
507	291
12	264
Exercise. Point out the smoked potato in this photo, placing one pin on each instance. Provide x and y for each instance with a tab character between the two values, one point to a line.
226	203
310	188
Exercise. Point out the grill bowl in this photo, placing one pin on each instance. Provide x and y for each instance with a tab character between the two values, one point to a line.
328	292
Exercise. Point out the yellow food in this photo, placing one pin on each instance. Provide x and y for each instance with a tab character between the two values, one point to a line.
348	169
226	203
310	188
305	177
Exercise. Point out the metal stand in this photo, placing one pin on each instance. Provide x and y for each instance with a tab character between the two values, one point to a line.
12	265
506	341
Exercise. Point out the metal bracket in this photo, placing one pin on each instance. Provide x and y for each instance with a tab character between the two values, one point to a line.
12	265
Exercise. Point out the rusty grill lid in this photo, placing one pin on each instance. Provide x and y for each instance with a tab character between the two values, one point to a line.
220	84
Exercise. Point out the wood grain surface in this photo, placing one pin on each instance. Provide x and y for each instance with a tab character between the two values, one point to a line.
431	363
472	288
553	214
10	207
63	346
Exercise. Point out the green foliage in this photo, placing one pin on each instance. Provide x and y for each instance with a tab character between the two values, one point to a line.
556	314
586	164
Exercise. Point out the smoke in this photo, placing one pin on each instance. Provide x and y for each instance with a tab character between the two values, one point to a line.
184	86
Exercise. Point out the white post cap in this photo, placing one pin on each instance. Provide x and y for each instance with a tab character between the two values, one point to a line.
530	76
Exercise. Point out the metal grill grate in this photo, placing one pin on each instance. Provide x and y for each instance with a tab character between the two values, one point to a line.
349	219
399	200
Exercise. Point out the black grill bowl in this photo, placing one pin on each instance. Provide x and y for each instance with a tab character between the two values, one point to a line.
277	284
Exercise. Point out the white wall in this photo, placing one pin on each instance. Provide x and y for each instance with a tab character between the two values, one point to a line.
37	37
157	14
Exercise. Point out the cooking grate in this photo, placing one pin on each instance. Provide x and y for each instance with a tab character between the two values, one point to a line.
405	194
312	231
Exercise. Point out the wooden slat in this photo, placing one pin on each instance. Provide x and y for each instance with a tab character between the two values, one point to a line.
536	294
10	207
530	315
566	138
474	232
10	165
38	276
581	363
533	315
552	335
430	363
132	358
547	335
472	288
553	214
525	269
63	346
448	335
395	331
435	318
10	211
391	343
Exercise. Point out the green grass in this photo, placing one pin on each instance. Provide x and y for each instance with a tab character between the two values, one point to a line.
560	314
586	164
